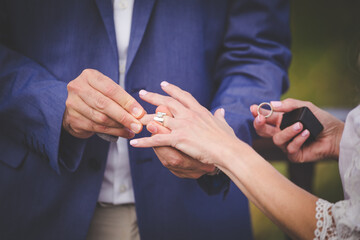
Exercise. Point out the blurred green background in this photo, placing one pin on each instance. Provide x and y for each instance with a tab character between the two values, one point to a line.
324	70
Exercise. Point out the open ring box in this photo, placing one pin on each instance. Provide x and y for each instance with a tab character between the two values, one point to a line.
306	117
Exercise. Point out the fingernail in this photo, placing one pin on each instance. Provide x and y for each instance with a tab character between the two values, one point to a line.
135	127
305	133
136	112
222	111
152	128
133	142
297	126
276	103
258	119
164	83
131	134
142	92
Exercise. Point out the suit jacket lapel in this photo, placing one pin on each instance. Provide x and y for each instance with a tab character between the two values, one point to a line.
107	14
141	15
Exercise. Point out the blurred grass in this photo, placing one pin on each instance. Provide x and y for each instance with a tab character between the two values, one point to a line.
325	45
324	70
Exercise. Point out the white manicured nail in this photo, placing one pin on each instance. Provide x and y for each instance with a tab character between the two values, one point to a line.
133	142
297	127
276	103
142	92
136	112
135	127
222	111
164	83
305	133
258	119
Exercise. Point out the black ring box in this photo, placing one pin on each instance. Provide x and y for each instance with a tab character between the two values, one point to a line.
306	117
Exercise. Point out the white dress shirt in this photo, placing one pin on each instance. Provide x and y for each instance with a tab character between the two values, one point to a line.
117	186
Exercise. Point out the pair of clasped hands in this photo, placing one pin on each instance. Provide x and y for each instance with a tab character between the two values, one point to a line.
191	141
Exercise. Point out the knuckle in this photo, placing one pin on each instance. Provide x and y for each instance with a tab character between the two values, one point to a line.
101	128
181	138
204	110
290	150
88	72
72	86
100	102
166	164
156	140
110	90
192	115
69	104
176	161
99	117
291	102
75	127
76	130
128	103
277	140
68	120
170	102
187	94
91	126
122	118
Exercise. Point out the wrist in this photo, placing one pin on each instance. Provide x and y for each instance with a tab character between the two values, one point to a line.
336	141
231	154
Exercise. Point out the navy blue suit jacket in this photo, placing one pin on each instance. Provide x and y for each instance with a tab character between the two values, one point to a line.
226	53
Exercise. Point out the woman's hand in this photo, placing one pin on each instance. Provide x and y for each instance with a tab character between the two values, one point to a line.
180	164
194	130
292	139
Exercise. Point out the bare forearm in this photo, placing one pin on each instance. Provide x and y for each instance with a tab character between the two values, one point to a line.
287	205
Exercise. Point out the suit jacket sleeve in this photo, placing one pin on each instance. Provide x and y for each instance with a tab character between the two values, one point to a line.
31	109
252	66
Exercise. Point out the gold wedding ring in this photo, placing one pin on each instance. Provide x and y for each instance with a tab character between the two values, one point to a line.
265	104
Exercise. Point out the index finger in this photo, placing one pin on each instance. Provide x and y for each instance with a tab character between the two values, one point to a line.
288	104
182	96
157	99
274	119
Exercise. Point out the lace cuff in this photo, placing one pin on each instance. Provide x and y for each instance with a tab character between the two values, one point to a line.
325	225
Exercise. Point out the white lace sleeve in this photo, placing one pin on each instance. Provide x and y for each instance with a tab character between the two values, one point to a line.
342	219
337	221
325	225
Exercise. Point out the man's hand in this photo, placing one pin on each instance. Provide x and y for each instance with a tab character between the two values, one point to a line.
180	164
96	104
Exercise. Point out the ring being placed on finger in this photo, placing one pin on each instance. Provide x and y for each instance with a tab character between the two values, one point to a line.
160	117
265	104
